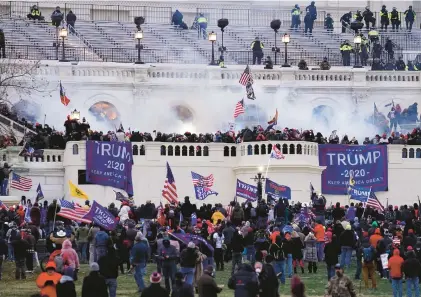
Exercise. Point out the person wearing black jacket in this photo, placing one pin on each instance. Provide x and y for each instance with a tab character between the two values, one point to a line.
20	246
108	268
347	242
412	269
237	246
277	252
53	208
3	253
71	20
207	286
338	213
268	282
244	282
94	284
181	289
331	252
188	258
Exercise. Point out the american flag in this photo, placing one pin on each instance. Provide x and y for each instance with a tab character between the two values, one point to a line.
170	190
239	108
276	153
21	183
202	181
246	77
5	206
72	211
374	202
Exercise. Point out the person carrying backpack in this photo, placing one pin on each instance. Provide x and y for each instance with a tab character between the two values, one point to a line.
369	268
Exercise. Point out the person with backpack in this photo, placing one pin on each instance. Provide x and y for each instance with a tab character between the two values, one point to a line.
101	244
66	285
368	267
277	252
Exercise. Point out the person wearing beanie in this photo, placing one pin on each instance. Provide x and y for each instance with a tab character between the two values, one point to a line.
411	267
340	285
395	270
66	286
180	288
48	280
155	289
108	268
168	255
188	259
139	256
297	287
94	284
207	286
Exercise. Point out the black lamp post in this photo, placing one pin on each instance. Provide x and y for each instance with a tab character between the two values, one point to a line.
222	23
286	39
259	179
212	38
138	36
63	34
275	25
357	42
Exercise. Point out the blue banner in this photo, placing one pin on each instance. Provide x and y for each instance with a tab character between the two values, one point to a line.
110	164
277	191
367	165
100	215
202	192
246	191
359	193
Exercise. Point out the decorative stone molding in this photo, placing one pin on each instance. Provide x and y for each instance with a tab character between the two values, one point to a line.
360	95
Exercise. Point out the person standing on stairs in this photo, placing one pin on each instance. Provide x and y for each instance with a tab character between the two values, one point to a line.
257	48
202	25
71	20
346	21
295	20
2	44
308	23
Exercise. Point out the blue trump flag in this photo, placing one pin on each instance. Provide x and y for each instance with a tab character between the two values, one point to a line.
110	164
101	216
359	193
367	165
277	191
40	194
28	214
246	191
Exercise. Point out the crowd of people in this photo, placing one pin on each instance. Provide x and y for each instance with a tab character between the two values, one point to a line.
266	243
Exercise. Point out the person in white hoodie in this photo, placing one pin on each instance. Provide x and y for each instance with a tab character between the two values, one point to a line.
124	212
121	136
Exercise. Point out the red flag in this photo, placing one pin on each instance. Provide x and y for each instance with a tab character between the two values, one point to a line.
63	98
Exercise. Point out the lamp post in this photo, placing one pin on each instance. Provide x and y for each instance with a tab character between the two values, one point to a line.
275	25
222	23
75	115
63	34
139	36
357	42
285	40
259	179
212	38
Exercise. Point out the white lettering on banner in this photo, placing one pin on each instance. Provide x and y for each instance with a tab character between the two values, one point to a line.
112	149
246	187
361	193
103	216
353	159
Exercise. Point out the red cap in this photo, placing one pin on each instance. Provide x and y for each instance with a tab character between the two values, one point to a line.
409	248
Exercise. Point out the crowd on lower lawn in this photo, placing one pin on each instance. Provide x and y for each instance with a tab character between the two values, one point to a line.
188	245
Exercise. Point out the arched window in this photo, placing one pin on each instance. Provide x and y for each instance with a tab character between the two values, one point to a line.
226	151
58	158
233	151
292	149
75	149
142	150
191	151
54	158
206	151
418	153
135	150
285	149
177	150
263	149
404	153
48	158
256	149
163	150
411	153
198	151
184	150
170	150
249	150
299	149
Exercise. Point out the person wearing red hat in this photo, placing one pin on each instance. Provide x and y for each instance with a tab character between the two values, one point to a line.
155	289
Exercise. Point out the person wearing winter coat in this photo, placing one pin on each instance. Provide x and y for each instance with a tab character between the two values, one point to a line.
244	282
237	246
340	285
101	244
180	288
277	252
207	286
66	285
297	252
108	268
70	257
288	247
139	256
395	270
91	238
332	253
124	212
188	259
155	289
311	252
347	242
3	254
268	281
82	241
237	215
48	280
94	284
35	215
168	255
411	267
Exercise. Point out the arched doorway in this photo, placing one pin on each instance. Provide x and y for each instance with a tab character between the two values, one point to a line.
105	112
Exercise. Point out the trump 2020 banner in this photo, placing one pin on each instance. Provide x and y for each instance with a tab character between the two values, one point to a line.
277	191
110	164
367	165
246	191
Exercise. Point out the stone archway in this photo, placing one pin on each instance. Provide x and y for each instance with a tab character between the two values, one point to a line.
106	112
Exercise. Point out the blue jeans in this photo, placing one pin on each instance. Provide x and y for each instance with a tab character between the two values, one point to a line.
280	270
112	286
169	270
83	247
251	254
330	271
140	272
188	274
289	265
203	27
320	251
412	282
4	184
346	253
397	287
11	253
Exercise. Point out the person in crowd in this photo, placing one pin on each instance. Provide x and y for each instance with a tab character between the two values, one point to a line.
368	257
297	252
94	284
244	281
207	286
411	267
82	242
182	289
410	16
188	259
346	21
202	23
297	287
4	175
168	256
66	286
70	257
347	242
35	14
340	285
92	242
400	64
31	242
2	44
3	254
218	240
108	268
310	252
329	23
257	47
324	65
295	17
20	247
277	252
394	265
346	50
71	20
237	245
332	252
139	258
384	18
57	17
268	281
155	289
47	281
101	243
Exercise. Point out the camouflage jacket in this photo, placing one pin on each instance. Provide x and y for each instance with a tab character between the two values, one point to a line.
340	287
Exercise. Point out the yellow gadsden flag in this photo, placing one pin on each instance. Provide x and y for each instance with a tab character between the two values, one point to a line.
76	192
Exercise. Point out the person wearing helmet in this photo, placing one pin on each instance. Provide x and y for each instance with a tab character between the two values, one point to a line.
368	16
35	14
410	16
295	20
384	18
395	19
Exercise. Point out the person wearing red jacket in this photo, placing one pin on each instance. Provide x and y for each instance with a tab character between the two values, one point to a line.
395	270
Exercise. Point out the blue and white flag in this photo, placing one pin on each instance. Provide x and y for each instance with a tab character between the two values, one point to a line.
27	214
202	185
246	191
359	193
193	219
40	194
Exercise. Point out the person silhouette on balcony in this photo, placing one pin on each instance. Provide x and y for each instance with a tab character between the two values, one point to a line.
177	18
71	20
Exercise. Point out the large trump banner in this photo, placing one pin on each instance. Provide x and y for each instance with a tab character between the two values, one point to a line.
367	165
110	164
277	191
246	191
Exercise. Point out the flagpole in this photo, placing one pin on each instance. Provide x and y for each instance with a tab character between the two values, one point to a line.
55	214
267	167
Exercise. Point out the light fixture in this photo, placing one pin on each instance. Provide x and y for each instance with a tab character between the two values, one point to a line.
357	39
212	38
75	115
260	168
138	35
285	38
63	32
